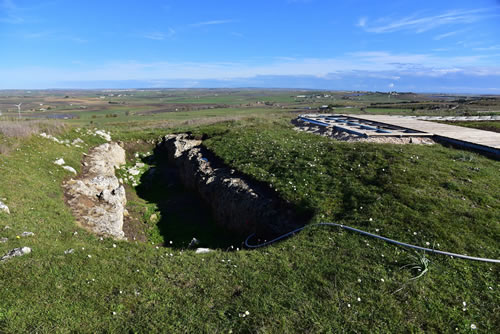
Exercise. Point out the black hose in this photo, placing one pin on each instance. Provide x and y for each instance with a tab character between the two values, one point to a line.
430	250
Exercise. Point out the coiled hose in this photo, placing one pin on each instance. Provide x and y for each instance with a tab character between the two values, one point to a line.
430	250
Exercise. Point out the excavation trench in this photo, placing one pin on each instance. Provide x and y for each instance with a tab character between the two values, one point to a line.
200	197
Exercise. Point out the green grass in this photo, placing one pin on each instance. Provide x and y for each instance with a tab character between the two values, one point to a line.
320	280
482	125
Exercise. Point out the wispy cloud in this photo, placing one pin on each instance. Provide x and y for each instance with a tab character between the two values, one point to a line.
213	22
38	35
50	35
160	36
489	48
420	23
445	35
362	22
10	12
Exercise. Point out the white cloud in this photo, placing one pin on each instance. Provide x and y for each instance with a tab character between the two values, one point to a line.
420	23
489	48
209	23
375	64
362	22
14	14
445	35
391	85
159	35
237	34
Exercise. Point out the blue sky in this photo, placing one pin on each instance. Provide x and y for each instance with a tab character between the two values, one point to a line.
440	46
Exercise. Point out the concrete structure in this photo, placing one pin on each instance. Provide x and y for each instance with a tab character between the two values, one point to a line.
400	126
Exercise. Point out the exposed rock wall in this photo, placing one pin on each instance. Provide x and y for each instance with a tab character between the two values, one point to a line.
238	205
96	198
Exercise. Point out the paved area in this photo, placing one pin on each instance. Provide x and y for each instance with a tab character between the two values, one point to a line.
456	118
401	126
469	135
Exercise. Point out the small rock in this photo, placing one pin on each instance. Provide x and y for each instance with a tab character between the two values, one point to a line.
59	162
193	243
69	169
153	217
27	234
4	208
203	250
3	240
133	171
69	251
103	135
16	252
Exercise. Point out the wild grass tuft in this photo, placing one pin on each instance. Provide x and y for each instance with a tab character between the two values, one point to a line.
23	129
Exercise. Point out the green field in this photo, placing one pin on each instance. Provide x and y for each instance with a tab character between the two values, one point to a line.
321	280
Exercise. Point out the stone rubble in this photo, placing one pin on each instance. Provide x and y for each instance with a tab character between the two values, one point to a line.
78	141
70	169
104	135
15	252
96	198
59	162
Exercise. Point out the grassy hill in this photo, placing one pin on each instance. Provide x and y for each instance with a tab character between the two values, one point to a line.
320	280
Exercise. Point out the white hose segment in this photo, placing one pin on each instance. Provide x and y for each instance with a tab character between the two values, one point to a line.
430	250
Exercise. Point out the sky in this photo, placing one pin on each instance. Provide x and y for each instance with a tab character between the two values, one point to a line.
420	46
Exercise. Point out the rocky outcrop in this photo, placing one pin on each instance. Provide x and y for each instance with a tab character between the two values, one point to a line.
96	198
239	205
